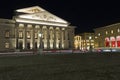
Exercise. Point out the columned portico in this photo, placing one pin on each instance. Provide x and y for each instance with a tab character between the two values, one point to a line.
56	32
22	32
53	37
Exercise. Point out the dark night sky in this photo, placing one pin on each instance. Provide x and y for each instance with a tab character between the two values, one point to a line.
86	15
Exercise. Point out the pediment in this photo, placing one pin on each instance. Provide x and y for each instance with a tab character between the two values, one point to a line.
37	13
30	10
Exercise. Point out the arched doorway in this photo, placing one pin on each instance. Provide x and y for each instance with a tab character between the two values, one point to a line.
107	42
118	41
28	45
20	45
113	43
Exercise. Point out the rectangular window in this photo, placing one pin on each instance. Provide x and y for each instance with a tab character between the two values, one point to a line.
20	34
7	45
7	33
28	34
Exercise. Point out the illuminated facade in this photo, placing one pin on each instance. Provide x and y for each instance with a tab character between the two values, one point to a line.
108	36
84	41
77	42
87	41
23	30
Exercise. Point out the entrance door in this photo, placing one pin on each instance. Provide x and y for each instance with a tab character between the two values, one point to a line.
20	45
118	41
28	45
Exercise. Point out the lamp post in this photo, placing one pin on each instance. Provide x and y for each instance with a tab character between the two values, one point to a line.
40	46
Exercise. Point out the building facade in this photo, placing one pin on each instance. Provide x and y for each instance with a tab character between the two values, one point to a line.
23	30
87	41
108	36
77	42
84	41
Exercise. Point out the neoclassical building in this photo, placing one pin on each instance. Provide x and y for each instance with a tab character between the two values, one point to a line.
108	36
23	30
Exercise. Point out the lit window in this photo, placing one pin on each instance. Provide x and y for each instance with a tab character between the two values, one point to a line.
112	31
118	30
7	33
96	37
20	34
28	34
29	26
106	32
7	45
63	28
98	34
37	26
21	25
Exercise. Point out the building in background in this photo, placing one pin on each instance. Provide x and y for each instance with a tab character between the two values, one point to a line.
24	29
77	42
84	41
108	36
87	41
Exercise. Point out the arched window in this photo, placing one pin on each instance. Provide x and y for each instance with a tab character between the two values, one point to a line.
113	43
107	42
118	41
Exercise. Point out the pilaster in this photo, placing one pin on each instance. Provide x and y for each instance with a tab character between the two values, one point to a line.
33	37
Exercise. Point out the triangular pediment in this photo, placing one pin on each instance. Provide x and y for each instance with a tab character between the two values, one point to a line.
30	10
38	13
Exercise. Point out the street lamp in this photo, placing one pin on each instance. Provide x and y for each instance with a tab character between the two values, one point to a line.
40	46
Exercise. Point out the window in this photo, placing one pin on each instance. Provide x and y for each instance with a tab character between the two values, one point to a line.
37	26
7	33
29	26
118	30
106	32
21	25
28	34
98	34
96	37
20	34
7	45
112	31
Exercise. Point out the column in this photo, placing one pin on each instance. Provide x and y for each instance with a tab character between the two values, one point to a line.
24	37
48	38
54	30
60	38
33	37
51	38
63	38
45	37
17	35
38	40
66	38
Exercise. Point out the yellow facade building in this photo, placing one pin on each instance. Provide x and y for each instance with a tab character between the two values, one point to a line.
108	36
77	42
84	41
34	27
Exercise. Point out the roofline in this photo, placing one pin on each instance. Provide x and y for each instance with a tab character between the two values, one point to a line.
6	20
108	26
